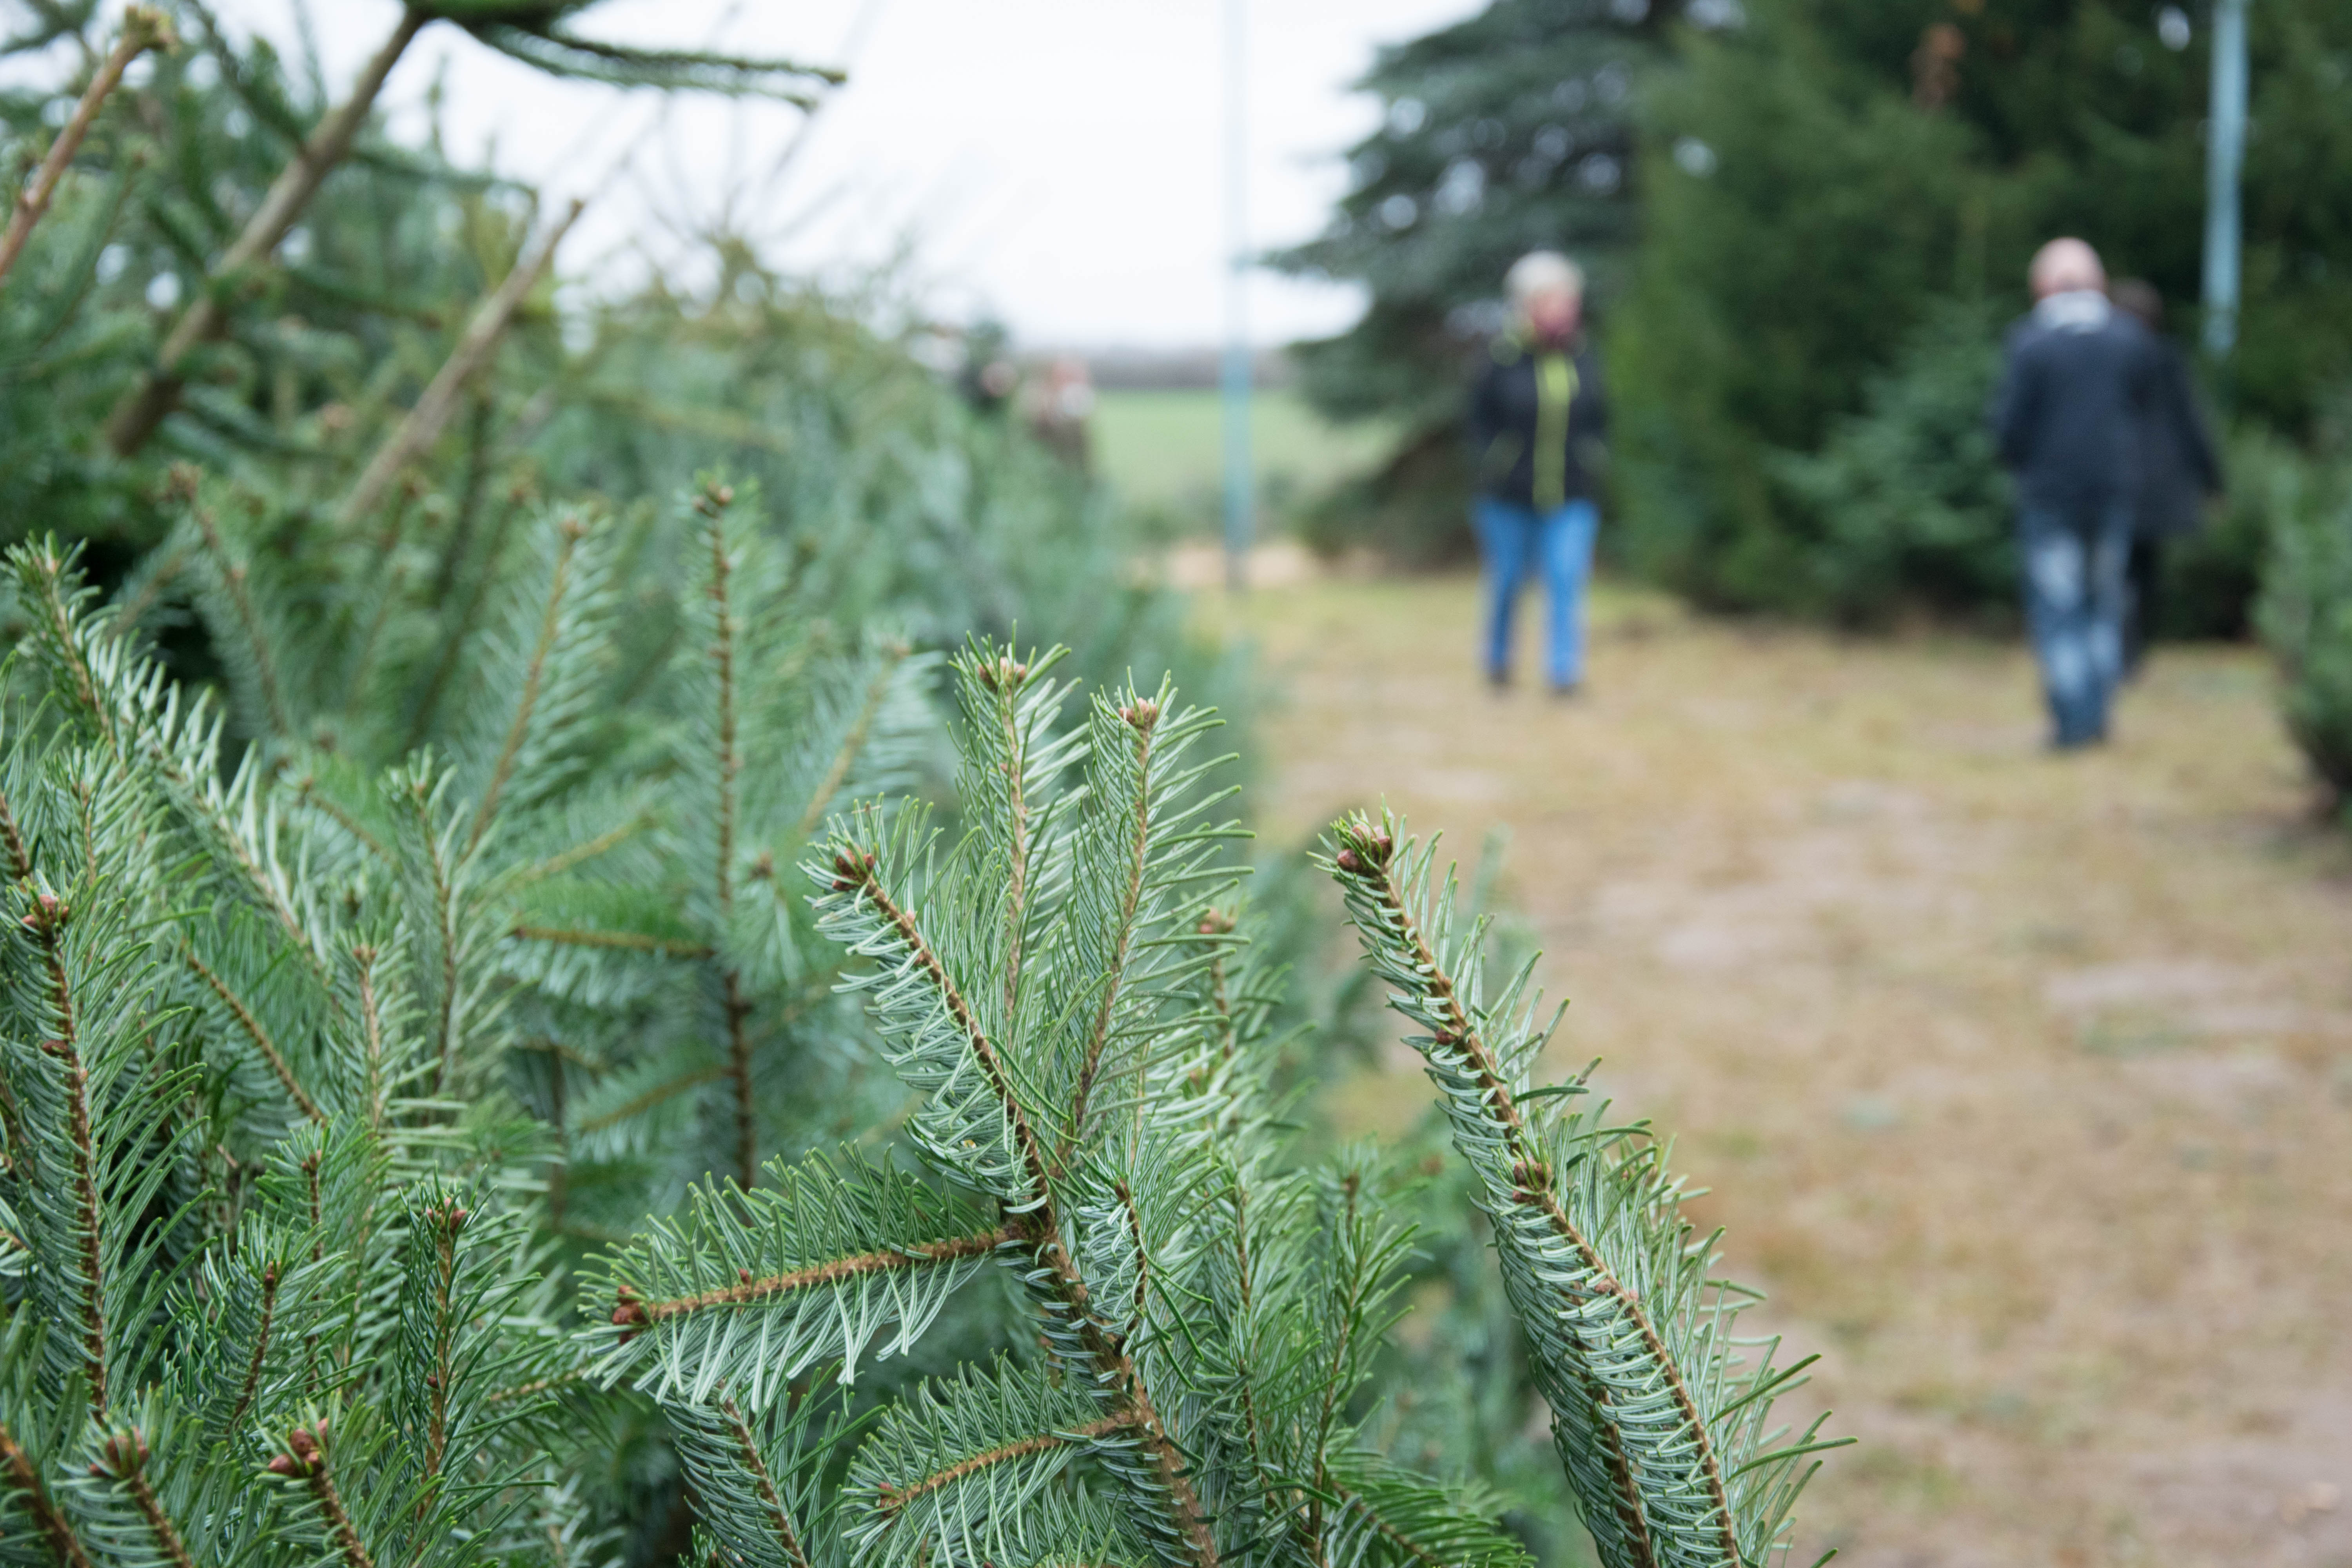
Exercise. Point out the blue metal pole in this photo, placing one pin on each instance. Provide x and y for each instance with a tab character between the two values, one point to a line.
2225	158
1239	491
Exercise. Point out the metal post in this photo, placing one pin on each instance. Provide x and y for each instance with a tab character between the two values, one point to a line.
1235	380
2225	157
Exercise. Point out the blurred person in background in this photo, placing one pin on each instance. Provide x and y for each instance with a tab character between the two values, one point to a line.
2179	470
2069	416
1059	403
1538	417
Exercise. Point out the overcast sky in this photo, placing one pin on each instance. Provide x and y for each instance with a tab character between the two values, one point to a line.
1058	163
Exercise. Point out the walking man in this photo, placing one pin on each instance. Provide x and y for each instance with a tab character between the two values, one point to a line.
2068	417
1536	419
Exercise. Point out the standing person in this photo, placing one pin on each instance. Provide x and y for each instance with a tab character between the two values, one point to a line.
1536	419
2068	416
2178	468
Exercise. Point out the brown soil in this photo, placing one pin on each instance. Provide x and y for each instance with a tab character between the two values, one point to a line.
2023	1083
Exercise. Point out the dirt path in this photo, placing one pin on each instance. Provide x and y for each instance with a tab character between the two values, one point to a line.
2023	1084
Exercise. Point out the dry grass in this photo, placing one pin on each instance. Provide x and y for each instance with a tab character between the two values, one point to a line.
2024	1084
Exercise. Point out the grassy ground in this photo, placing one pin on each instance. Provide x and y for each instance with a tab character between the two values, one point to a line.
2024	1084
1163	450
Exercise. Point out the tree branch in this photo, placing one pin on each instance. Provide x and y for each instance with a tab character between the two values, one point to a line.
257	1034
122	1456
852	744
144	28
232	572
135	418
635	941
636	1312
260	1350
550	626
25	1480
1370	860
305	1459
422	426
891	1498
1040	1225
1141	718
748	1454
48	920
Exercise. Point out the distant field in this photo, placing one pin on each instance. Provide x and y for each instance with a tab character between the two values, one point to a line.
1163	449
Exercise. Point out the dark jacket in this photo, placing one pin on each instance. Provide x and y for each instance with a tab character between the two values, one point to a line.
2072	407
2179	465
1537	418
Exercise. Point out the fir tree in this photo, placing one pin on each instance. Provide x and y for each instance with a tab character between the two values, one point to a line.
1513	130
1510	131
1878	170
1095	1122
273	1173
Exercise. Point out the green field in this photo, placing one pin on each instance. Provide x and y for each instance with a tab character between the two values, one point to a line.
1163	450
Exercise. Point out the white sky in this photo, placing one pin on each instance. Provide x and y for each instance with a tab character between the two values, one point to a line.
1056	162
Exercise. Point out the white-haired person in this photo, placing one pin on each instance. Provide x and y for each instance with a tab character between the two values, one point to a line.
1538	417
2068	416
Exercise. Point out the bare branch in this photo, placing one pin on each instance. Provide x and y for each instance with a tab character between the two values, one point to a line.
423	423
134	420
144	28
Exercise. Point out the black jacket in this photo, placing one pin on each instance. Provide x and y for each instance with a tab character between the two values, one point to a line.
2072	409
1522	449
2178	467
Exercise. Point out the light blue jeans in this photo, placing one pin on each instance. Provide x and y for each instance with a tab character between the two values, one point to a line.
2077	590
1517	542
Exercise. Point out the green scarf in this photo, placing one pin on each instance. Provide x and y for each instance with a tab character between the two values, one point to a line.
1555	390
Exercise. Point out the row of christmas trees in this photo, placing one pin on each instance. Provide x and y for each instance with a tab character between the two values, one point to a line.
498	1065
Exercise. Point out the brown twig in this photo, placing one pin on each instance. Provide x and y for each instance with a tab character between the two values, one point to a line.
891	1498
123	1456
550	626
145	406
748	1453
305	1459
261	1347
48	920
233	577
20	860
144	28
1141	718
257	1034
633	1311
635	941
421	425
739	1072
24	1480
372	1018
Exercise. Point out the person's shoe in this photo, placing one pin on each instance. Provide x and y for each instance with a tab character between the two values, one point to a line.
1571	692
1498	681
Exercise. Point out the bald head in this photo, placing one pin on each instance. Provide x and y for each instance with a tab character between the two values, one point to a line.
2065	266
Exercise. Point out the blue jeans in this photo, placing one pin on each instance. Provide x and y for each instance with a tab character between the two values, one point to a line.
2077	590
1517	542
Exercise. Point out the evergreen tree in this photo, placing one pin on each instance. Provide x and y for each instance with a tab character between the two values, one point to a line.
245	267
260	1063
1511	132
1867	163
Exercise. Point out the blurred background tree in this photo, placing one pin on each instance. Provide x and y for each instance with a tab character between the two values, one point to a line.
1819	206
1865	164
1510	131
